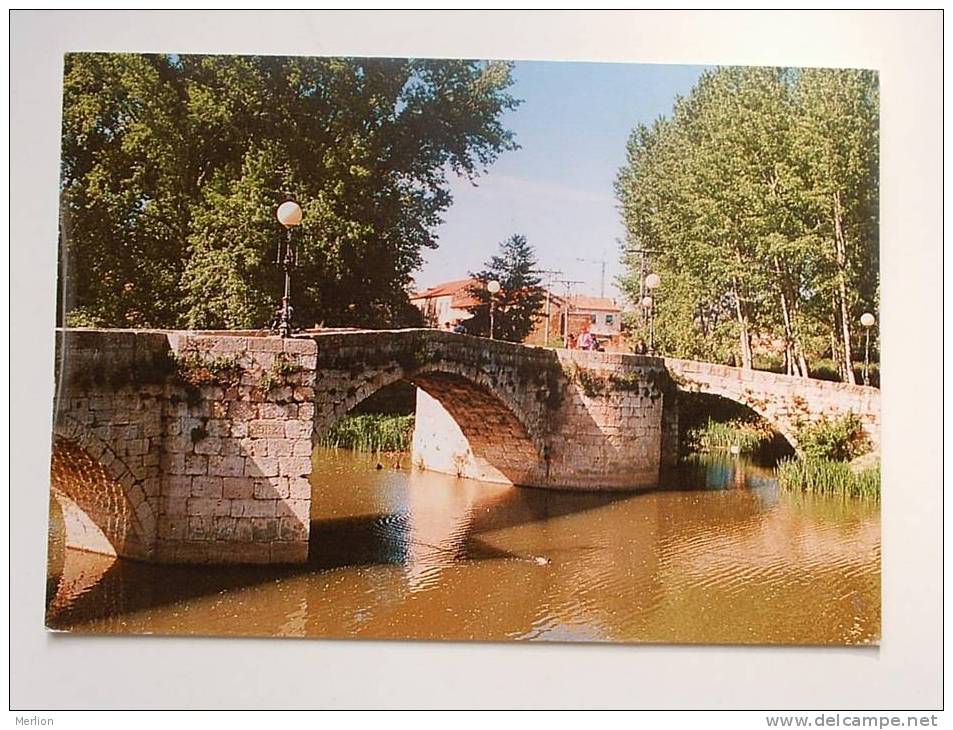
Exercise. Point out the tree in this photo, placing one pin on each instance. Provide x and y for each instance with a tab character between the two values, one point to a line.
173	167
737	195
520	299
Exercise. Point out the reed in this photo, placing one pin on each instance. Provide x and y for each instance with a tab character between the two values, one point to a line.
824	476
371	432
714	436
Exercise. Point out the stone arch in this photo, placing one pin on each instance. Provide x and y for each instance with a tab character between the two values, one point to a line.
493	423
105	507
742	406
751	401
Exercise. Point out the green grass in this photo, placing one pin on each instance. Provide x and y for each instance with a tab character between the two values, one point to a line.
823	476
714	436
371	432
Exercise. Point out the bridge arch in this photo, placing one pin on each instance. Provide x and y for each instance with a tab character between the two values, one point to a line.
489	416
105	509
784	401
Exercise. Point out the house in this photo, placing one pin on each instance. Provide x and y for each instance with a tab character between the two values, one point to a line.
450	302
445	303
576	314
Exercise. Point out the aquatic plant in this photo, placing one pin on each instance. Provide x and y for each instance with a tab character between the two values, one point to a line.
371	432
825	476
749	436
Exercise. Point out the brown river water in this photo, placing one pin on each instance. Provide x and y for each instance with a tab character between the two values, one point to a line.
718	555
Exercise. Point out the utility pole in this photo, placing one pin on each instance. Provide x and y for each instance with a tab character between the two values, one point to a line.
550	273
602	278
569	284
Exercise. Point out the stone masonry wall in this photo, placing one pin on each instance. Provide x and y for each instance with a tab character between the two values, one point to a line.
603	431
208	434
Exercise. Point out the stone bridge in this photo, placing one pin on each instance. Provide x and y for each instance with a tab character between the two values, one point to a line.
197	446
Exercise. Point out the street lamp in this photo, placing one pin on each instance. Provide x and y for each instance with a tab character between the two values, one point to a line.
868	320
289	215
494	288
652	282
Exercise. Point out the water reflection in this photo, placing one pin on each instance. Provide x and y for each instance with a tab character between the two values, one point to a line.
716	556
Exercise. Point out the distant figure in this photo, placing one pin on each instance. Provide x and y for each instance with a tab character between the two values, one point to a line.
571	341
446	325
587	341
640	348
459	329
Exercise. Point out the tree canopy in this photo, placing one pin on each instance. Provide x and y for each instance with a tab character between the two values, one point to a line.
757	202
520	299
173	166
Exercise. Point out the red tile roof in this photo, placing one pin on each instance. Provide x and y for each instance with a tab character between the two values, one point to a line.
599	304
458	289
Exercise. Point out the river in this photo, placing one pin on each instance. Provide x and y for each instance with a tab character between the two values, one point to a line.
718	555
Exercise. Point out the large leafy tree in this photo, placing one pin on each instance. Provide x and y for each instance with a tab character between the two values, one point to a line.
173	167
520	299
732	198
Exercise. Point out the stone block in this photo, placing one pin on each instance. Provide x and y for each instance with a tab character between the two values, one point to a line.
299	488
196	464
265	344
207	486
292	529
266	429
271	488
264	529
282	447
201	506
297	508
252	508
294	466
226	466
261	466
238	487
208	445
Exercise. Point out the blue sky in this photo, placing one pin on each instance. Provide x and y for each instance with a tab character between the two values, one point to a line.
557	189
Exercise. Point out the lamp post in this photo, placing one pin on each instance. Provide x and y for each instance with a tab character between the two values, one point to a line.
494	288
289	215
867	320
652	282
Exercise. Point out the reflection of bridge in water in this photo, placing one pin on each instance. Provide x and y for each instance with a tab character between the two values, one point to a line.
196	446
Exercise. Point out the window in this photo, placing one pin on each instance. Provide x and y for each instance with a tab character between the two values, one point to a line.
608	319
592	318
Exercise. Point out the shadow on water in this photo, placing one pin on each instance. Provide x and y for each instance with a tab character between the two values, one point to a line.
103	587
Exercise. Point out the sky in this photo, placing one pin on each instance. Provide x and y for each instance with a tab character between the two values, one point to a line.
557	189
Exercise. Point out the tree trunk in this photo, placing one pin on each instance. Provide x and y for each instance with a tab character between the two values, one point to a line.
786	316
835	342
744	334
840	244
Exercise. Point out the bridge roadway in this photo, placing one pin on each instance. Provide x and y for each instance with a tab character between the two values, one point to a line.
175	446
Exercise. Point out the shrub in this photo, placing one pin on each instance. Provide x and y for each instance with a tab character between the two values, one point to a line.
840	439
